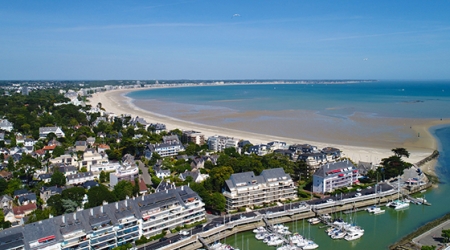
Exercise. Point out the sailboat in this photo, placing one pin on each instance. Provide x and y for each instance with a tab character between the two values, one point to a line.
398	204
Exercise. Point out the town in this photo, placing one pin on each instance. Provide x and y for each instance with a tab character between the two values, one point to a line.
75	176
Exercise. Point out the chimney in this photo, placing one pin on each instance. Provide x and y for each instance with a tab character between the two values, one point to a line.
75	216
142	198
126	203
101	209
117	205
63	219
92	212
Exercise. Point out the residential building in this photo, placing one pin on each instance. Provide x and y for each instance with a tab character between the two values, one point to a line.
314	160
68	170
91	157
246	189
193	137
197	177
274	145
335	153
46	192
161	173
259	149
65	159
6	125
6	202
108	167
44	131
157	127
81	145
109	225
335	175
219	143
127	171
165	149
79	178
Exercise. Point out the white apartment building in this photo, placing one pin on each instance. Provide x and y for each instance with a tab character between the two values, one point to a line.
335	175
246	189
219	143
109	225
91	157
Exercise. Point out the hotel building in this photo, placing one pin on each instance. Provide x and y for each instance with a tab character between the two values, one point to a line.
334	175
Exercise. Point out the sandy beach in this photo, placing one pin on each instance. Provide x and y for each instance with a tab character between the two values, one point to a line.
368	148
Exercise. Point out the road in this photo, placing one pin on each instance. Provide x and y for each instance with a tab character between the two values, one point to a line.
145	175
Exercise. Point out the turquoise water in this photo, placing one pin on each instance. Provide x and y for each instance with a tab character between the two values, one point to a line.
387	99
421	100
380	230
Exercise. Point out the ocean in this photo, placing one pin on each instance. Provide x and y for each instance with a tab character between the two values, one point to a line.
377	102
379	112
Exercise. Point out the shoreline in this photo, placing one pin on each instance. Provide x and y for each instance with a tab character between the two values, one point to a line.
117	102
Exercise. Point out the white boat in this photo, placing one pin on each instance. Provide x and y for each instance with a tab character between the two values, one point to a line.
338	235
314	221
261	236
287	247
275	241
422	200
353	236
310	245
375	210
398	204
295	239
259	230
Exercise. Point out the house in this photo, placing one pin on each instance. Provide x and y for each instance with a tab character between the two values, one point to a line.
44	131
2	136
243	143
22	211
6	202
65	159
127	171
165	185
193	137
142	186
20	192
5	174
138	120
90	141
29	144
88	184
286	152
161	173
98	120
68	170
332	176
246	189
102	148
46	192
27	198
91	157
274	145
197	177
6	125
20	139
165	149
79	178
303	148
259	149
333	152
46	178
81	145
197	163
157	127
365	167
49	148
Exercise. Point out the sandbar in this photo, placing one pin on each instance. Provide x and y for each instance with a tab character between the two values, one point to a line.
367	147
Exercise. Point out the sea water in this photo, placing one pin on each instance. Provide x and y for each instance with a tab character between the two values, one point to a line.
380	99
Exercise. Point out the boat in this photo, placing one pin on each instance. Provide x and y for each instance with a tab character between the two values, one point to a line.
287	247
314	221
375	210
261	236
259	230
398	204
338	235
353	236
310	245
275	241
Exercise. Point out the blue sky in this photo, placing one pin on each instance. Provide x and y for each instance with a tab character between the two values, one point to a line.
140	40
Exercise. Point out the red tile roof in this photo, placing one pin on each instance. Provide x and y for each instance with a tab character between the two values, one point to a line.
25	208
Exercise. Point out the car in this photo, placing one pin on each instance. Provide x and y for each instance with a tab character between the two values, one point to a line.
357	194
359	189
163	239
330	200
198	226
369	187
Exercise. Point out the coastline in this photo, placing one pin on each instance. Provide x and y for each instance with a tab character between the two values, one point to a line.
116	102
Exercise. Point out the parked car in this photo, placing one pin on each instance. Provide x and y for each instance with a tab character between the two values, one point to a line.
357	194
163	239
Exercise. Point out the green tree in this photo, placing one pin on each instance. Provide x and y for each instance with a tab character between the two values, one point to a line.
3	186
13	184
11	166
69	206
38	215
446	235
102	177
58	151
428	247
58	179
123	189
399	152
75	194
218	176
55	203
96	196
218	201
